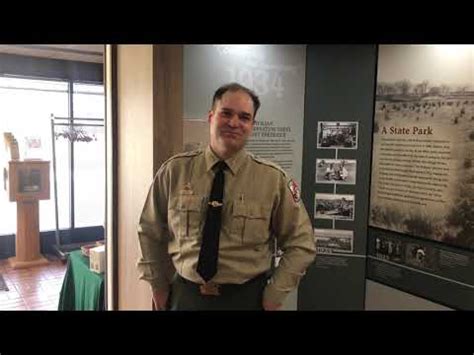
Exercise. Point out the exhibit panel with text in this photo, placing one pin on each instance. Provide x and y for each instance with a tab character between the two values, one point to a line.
422	184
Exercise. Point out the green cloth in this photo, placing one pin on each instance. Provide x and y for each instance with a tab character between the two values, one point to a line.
83	289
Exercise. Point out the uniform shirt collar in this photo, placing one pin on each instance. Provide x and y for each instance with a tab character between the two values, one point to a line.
234	162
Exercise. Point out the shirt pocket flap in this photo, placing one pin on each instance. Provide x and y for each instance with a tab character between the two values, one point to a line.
256	211
250	210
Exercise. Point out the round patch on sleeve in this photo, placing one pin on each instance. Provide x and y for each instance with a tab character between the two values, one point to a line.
295	190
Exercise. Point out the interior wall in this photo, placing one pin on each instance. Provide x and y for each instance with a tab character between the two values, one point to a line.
339	88
335	74
195	134
379	297
150	130
135	165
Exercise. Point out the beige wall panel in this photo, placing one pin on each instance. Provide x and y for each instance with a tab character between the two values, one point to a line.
135	165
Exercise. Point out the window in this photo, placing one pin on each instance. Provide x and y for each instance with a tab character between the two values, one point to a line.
26	106
89	157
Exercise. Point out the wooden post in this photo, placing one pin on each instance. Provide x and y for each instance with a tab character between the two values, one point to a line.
27	236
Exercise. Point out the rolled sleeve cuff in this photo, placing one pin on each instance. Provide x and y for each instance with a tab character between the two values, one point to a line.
159	286
272	295
147	273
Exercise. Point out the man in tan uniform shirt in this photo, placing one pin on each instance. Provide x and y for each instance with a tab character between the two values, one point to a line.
260	203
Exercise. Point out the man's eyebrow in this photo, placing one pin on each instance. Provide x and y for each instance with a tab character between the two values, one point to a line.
242	113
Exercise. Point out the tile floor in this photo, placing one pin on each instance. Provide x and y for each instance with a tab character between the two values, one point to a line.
35	288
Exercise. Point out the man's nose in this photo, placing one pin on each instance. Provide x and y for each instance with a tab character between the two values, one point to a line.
234	121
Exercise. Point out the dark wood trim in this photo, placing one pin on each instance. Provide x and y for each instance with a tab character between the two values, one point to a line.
48	241
167	102
115	182
46	48
47	68
111	129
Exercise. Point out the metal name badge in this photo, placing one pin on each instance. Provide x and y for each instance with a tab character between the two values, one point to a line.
215	204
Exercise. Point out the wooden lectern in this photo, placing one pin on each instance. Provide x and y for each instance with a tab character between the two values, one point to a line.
28	183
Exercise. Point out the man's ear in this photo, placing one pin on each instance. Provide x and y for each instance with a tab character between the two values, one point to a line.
209	115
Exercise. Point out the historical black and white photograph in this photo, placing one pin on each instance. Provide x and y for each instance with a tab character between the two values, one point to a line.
341	135
389	249
336	171
423	143
330	241
420	256
334	206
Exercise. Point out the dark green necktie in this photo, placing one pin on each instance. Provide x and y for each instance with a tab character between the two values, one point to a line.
208	255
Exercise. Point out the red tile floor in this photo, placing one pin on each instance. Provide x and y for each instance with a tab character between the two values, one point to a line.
34	288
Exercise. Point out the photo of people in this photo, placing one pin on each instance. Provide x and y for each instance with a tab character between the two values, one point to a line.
388	249
342	135
330	241
333	206
421	256
336	171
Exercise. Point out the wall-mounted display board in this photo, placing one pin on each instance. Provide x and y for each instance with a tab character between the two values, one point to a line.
340	82
421	238
275	72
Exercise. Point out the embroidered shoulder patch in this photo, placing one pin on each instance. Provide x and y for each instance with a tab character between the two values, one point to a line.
295	190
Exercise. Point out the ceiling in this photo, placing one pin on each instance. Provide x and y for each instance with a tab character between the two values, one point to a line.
78	52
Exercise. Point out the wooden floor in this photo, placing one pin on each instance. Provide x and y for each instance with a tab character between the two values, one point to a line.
35	288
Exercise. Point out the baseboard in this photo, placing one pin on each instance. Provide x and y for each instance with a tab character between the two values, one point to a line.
48	240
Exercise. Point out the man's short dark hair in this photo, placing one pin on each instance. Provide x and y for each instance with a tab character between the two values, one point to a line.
232	87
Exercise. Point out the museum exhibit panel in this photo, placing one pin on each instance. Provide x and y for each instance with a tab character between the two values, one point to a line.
421	231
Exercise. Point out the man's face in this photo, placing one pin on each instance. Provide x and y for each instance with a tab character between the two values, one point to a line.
231	122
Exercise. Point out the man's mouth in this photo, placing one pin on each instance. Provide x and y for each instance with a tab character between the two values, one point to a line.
232	134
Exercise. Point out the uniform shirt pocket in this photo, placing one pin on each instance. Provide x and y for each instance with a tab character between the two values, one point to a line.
185	216
250	222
